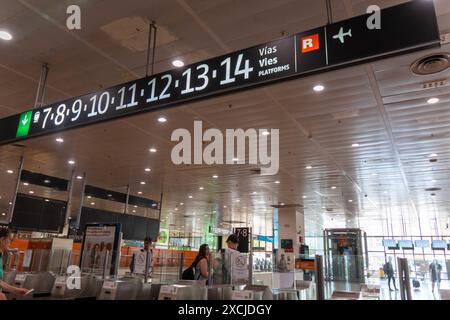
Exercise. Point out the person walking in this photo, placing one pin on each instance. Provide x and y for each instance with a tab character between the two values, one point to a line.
435	275
388	269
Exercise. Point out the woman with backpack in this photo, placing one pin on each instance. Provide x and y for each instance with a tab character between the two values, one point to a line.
199	268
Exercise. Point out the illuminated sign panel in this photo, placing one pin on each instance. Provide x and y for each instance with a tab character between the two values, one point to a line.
407	27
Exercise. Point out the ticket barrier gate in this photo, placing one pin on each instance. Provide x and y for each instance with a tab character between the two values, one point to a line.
260	292
182	292
220	292
42	283
9	276
123	289
90	287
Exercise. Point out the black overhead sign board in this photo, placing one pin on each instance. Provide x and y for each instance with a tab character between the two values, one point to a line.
404	28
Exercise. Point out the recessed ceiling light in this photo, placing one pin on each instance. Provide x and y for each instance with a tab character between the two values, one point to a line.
201	188
89	197
304	197
350	200
181	203
308	167
282	204
254	192
265	133
148	169
333	187
215	176
71	162
9	171
238	200
170	213
139	192
355	145
5	35
60	140
277	182
176	209
10	203
162	119
92	203
374	174
235	159
318	88
110	195
433	155
31	192
47	181
153	150
143	182
3	214
79	177
433	100
46	200
224	206
433	181
134	211
178	63
25	184
190	197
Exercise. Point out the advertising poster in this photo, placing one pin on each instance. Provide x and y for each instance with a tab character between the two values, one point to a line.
100	247
163	238
239	270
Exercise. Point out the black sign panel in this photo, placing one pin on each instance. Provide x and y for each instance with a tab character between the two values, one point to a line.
243	235
402	27
410	26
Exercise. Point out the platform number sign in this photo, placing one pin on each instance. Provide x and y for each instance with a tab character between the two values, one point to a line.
408	27
243	235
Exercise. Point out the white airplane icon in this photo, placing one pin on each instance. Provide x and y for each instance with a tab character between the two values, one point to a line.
341	35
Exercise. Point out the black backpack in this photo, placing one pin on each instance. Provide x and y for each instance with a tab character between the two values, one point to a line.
188	274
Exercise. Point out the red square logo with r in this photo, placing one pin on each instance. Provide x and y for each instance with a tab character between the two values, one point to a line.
310	43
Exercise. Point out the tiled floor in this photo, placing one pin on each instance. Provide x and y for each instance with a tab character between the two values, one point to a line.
422	293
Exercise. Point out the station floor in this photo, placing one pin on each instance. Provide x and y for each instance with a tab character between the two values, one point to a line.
422	293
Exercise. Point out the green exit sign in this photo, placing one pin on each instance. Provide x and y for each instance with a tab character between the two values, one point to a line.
24	124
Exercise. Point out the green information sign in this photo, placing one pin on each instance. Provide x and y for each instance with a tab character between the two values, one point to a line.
24	124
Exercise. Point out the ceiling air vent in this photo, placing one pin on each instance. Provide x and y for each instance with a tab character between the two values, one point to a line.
431	64
255	171
433	189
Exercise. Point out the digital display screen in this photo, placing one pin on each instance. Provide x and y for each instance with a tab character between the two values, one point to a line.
339	44
389	243
422	243
405	244
438	244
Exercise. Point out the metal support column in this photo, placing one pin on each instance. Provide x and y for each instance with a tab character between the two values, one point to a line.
404	279
127	201
16	189
320	284
40	94
250	260
69	200
83	188
151	39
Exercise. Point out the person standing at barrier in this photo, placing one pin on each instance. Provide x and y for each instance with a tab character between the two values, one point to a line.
201	263
229	256
148	249
435	274
389	272
5	241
